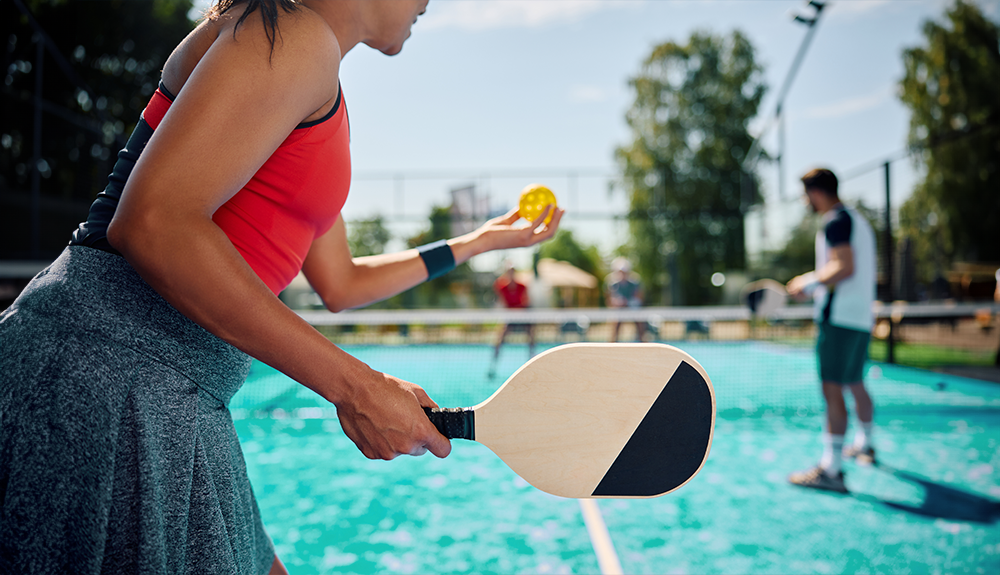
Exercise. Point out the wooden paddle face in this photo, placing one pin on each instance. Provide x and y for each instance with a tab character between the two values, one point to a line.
602	420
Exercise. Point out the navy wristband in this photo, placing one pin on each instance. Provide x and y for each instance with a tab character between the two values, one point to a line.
438	258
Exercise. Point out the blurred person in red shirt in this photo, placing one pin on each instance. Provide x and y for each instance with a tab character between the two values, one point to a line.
514	295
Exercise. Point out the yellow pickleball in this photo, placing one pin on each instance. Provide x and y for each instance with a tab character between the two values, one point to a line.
533	200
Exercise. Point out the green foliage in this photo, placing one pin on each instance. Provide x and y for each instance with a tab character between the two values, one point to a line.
798	255
368	237
952	87
564	247
117	49
439	228
927	356
689	121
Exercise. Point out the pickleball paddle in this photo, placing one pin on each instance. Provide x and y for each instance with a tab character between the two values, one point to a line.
764	297
588	420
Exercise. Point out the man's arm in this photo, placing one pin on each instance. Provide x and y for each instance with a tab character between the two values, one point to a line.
839	267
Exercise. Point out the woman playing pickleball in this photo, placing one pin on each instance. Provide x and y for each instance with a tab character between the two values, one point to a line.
117	363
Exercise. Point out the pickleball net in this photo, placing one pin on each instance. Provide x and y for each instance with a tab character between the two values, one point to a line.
758	366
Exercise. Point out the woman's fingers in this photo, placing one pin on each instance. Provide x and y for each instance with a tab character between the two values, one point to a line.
422	397
432	439
541	231
437	443
552	226
390	421
509	218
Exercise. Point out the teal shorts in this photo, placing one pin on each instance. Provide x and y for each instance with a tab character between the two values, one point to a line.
842	353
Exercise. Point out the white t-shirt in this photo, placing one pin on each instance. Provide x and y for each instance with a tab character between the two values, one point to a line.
849	303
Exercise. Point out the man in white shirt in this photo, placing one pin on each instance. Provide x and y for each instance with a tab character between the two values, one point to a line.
843	289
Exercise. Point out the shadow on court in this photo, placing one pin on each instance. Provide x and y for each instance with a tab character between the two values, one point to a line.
941	501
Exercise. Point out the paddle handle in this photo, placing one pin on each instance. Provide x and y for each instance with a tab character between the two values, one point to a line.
453	422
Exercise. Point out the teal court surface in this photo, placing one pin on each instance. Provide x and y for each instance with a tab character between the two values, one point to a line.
931	505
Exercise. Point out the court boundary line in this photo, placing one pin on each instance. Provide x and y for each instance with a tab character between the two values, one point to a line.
600	538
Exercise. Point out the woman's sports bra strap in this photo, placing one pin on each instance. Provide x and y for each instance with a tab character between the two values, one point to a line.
333	111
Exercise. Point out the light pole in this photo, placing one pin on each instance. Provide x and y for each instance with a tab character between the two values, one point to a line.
753	156
811	23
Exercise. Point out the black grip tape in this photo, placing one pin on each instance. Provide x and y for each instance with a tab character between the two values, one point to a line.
453	422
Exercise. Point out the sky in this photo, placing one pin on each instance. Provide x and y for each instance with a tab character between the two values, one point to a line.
503	93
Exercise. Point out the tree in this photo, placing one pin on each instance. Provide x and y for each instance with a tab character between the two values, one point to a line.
682	171
438	229
796	257
101	63
952	87
438	292
564	247
368	237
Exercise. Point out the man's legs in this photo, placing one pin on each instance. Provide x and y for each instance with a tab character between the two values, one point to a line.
833	350
503	336
828	475
614	331
862	447
836	408
496	352
836	426
863	401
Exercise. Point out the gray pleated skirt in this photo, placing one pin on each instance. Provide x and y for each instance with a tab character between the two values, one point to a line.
117	450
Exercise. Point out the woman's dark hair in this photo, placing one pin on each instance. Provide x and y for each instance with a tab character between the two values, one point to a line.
821	179
268	13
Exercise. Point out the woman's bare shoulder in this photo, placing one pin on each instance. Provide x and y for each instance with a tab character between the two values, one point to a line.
304	47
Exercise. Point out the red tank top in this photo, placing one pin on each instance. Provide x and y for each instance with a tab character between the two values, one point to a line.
295	197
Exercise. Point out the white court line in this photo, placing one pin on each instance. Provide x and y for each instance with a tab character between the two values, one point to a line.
607	559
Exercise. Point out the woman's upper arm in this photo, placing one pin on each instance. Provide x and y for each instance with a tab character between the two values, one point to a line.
233	111
329	265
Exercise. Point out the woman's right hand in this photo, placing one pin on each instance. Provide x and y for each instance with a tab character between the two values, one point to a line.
384	417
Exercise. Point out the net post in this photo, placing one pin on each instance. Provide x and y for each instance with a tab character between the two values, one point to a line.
889	280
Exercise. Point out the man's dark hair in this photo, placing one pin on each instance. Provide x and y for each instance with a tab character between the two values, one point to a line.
821	179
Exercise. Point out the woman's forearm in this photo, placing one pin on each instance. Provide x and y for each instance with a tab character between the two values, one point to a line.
374	278
343	282
196	268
